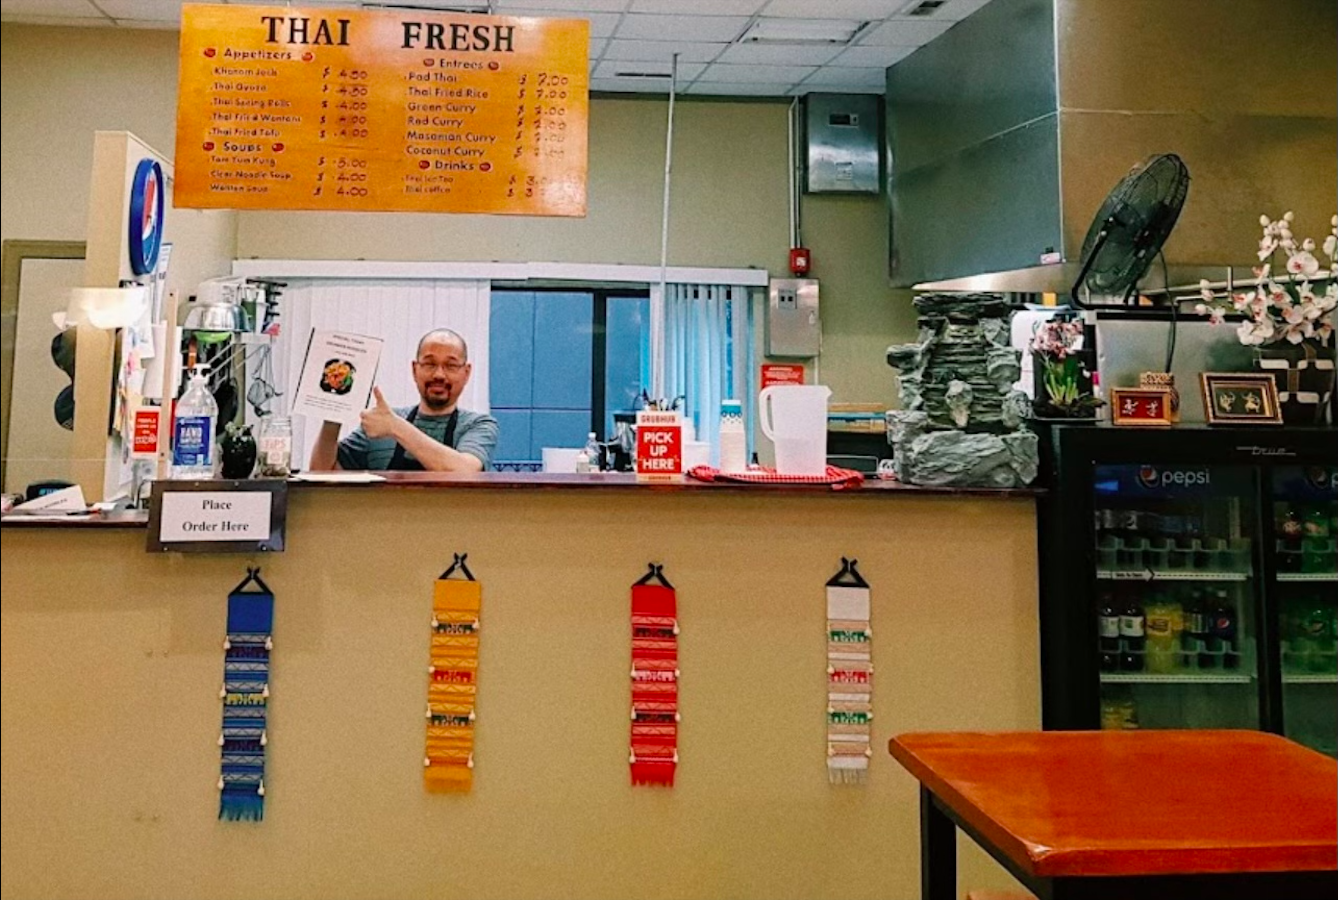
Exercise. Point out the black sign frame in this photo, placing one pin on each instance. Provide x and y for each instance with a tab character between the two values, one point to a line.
277	488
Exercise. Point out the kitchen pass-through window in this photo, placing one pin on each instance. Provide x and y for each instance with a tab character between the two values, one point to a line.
564	363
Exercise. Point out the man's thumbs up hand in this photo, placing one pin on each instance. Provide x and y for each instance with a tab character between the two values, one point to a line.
380	420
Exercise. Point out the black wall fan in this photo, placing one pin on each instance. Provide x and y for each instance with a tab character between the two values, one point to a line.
1130	229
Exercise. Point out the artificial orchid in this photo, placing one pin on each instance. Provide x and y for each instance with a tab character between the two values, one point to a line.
1055	345
1286	309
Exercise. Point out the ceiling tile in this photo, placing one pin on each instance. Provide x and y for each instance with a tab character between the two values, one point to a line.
597	47
620	68
159	10
864	77
864	10
49	8
71	21
663	51
872	57
148	24
904	33
601	24
740	89
698	7
575	6
681	28
757	74
629	86
780	54
956	10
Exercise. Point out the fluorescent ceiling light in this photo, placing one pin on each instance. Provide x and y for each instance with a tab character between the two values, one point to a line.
438	6
802	31
923	7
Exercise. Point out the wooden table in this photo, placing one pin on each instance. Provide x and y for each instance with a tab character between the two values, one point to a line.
1130	814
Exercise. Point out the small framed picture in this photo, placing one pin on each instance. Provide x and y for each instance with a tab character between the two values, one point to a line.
1239	398
1142	406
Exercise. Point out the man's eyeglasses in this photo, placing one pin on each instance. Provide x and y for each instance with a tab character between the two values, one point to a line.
432	368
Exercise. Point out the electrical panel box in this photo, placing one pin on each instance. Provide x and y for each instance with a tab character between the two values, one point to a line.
793	327
842	139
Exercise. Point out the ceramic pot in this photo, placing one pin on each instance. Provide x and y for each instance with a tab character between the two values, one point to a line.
237	451
1304	374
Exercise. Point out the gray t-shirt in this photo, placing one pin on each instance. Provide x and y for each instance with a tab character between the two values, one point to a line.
475	434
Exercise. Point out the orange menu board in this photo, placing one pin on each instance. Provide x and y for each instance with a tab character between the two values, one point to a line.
395	110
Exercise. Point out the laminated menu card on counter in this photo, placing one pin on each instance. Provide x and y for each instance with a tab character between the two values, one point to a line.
337	376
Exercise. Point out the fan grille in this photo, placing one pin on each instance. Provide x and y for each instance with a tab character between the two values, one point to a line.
1136	219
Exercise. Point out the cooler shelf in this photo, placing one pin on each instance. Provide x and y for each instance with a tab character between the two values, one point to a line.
1308	576
1315	678
1176	575
1176	678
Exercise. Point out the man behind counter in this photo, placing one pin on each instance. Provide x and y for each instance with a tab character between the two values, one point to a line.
434	436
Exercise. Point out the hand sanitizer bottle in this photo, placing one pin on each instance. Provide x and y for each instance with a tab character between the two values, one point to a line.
194	431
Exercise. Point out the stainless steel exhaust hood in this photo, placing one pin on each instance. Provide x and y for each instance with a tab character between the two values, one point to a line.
1006	133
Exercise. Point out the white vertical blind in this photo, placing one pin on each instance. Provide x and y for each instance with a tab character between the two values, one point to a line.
397	311
704	360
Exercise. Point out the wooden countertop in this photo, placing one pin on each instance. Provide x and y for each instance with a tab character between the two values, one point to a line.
538	481
627	481
1098	803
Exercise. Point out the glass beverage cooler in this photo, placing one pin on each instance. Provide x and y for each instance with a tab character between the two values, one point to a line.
1189	579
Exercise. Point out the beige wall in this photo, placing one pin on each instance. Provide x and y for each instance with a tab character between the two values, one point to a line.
728	201
1255	138
112	659
38	447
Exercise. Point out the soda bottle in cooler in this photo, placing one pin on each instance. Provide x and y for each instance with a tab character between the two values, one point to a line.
1223	631
1133	635
1318	625
1291	533
1119	711
1108	632
1128	708
1192	629
1163	625
1110	713
1317	554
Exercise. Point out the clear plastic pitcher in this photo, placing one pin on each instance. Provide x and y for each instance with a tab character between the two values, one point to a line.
794	417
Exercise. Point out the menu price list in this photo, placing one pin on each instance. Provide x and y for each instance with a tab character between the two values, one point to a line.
283	108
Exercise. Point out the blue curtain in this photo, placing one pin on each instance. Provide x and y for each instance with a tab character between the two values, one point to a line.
706	352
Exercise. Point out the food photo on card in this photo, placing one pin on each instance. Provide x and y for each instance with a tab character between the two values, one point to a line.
338	372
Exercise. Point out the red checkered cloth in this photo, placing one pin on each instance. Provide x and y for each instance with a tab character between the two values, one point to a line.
838	478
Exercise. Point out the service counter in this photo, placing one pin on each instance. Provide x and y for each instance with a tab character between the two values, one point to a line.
112	663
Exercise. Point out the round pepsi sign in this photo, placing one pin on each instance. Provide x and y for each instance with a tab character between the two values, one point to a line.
146	217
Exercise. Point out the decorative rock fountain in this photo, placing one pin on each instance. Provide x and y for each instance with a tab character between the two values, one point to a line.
961	422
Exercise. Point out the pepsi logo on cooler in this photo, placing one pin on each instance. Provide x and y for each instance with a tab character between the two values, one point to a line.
1153	477
146	216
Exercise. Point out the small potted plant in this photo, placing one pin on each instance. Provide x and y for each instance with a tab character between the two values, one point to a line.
1063	379
1287	322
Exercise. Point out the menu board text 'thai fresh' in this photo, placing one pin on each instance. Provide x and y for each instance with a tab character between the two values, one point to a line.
392	110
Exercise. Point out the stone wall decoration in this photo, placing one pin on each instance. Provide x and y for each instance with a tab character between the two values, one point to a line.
962	423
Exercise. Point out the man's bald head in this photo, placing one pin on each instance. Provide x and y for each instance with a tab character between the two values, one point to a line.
445	336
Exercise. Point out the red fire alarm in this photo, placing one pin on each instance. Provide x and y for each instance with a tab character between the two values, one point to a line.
799	260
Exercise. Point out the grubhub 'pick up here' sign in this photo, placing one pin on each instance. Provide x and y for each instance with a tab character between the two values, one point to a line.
394	110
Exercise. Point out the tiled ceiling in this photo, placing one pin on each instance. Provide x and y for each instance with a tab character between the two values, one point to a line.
724	47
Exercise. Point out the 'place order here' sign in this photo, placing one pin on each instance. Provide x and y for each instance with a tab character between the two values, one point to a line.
395	110
218	516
